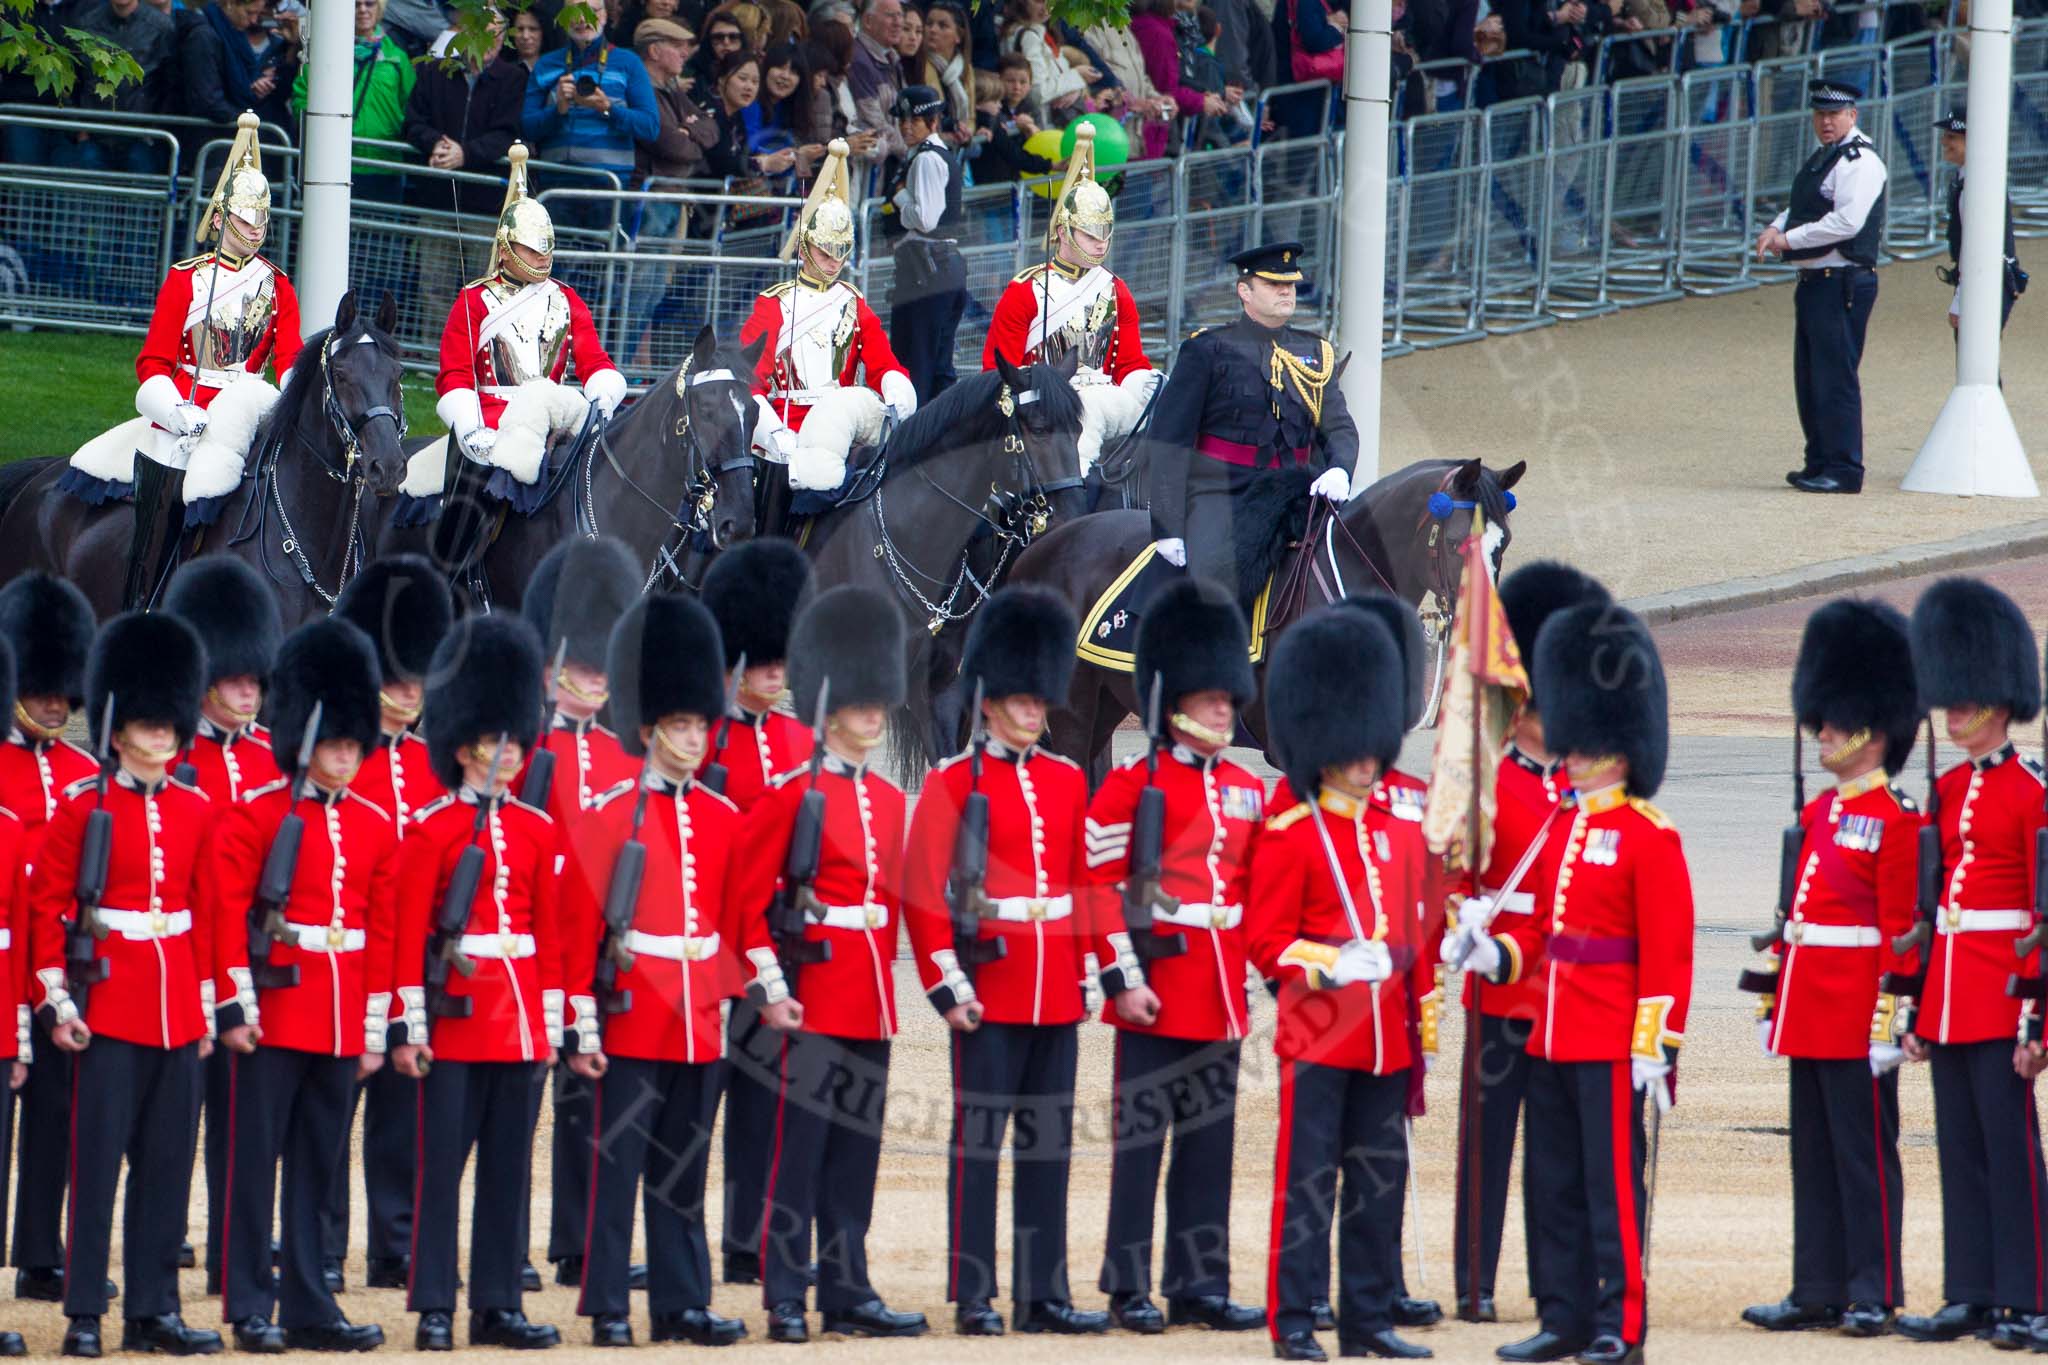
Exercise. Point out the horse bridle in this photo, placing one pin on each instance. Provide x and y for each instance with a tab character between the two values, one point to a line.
1444	557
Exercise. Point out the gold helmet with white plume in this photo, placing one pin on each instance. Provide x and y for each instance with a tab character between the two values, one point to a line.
522	222
826	220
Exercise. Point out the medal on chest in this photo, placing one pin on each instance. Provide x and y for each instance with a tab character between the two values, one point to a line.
1859	833
1603	847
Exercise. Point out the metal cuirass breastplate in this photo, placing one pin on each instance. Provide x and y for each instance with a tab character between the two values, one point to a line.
239	318
818	349
529	345
1088	330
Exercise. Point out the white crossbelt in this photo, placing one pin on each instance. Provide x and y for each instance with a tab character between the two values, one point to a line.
672	947
1201	916
1983	921
215	379
497	945
855	917
1801	934
1031	909
141	926
1514	903
320	938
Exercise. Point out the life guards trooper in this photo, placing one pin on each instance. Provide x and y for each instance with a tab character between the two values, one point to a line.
1974	655
402	603
136	1037
1180	1017
1615	953
219	319
489	1058
14	953
1013	1018
648	1038
818	337
1828	1012
297	1047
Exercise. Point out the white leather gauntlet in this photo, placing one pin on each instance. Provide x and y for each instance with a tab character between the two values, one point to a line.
1125	972
769	986
22	1050
414	1017
583	1022
551	1016
954	988
206	1008
377	1022
56	998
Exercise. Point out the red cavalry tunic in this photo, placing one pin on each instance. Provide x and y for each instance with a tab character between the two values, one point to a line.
1857	889
1214	810
501	334
1298	924
343	910
756	747
1615	947
588	764
1990	810
397	779
687	924
229	763
157	949
1090	310
255	320
511	931
1037	803
820	337
1529	804
860	873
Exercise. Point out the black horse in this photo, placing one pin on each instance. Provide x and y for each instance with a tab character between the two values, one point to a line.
329	447
1401	535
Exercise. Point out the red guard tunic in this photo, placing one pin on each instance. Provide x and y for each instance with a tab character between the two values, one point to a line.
511	932
1037	802
1050	310
1529	799
1856	893
34	775
14	946
230	763
501	333
343	913
755	748
588	764
1213	814
860	871
687	924
1990	810
820	337
157	949
397	779
254	321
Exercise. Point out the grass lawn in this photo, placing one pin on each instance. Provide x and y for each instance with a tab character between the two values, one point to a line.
60	389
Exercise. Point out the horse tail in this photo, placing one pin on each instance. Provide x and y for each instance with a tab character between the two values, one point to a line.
18	475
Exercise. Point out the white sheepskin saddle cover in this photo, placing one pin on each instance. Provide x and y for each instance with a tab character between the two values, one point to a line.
539	414
1110	412
840	420
218	457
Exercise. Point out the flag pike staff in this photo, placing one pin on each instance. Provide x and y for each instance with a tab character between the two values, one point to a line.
1475	1180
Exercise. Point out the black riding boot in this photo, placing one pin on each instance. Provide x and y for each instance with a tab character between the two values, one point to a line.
772	500
159	526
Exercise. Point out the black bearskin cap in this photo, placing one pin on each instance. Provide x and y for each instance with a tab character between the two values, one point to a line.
1194	637
754	590
1021	643
50	625
665	657
577	593
1406	627
1334	694
334	664
1972	646
485	680
1603	683
154	667
7	689
233	611
1531	593
852	638
402	603
1855	671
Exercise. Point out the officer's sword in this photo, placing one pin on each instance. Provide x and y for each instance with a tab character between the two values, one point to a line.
1650	1178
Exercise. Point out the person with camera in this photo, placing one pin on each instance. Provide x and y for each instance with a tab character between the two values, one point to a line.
588	104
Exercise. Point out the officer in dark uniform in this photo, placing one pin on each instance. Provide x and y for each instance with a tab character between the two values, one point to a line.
1249	396
1832	231
931	277
1954	150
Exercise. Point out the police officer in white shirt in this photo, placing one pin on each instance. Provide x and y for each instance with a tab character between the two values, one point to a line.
1832	231
931	275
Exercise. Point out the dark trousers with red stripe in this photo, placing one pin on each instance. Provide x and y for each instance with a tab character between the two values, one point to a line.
1186	1087
1993	1192
1001	1073
290	1106
1502	1081
1342	1156
651	1126
134	1103
575	1098
753	1054
829	1110
43	1156
390	1105
1847	1188
215	1088
489	1107
1584	1199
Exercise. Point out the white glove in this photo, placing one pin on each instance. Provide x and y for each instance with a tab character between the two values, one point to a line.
1360	962
1476	913
772	436
1451	952
1885	1057
460	411
1649	1077
1481	953
899	394
479	442
606	389
1174	551
191	419
1333	484
1763	1037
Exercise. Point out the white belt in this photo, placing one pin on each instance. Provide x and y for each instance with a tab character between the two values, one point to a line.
1201	916
143	925
805	397
1514	903
6	939
1983	921
1801	934
324	938
672	947
216	379
1031	909
499	390
855	916
497	945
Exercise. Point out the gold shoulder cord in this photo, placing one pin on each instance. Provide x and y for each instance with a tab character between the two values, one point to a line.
1309	380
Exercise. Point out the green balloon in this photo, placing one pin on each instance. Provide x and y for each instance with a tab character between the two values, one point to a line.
1112	144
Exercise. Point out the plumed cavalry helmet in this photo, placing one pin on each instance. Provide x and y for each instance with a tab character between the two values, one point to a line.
522	222
1082	203
826	221
243	190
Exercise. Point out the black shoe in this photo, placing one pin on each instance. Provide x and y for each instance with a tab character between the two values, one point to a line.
436	1332
259	1336
1793	476
1214	1311
1869	1320
699	1325
977	1318
82	1338
187	1257
1543	1346
873	1319
331	1276
1061	1318
42	1284
569	1272
636	1276
742	1267
1823	483
1480	1310
611	1329
339	1335
386	1272
529	1278
1325	1316
1954	1321
1136	1313
11	1344
1407	1312
167	1333
509	1327
786	1322
1787	1316
1386	1343
1298	1346
1609	1349
2039	1344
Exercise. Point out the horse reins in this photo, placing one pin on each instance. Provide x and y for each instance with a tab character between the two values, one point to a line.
692	514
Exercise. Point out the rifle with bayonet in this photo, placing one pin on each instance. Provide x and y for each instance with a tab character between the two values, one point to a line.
966	895
1932	878
266	922
451	921
540	767
622	903
83	966
1142	898
1791	845
796	904
2032	991
712	775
